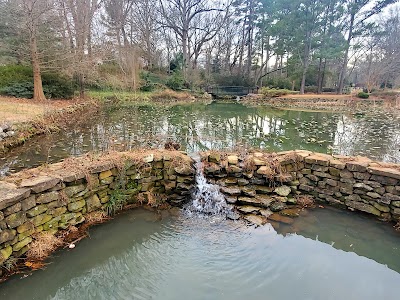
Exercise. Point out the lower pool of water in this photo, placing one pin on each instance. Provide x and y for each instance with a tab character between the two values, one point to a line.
325	254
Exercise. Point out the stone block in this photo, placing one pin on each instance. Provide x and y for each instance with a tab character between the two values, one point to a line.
363	207
232	191
47	197
248	191
41	219
107	180
373	195
384	180
357	166
305	187
242	181
318	159
322	174
214	157
259	162
93	203
337	164
362	175
10	194
386	172
55	212
382	208
362	186
319	168
283	190
76	206
25	227
265	171
346	174
5	253
312	177
18	246
256	220
40	184
331	182
7	235
12	209
74	189
374	184
28	203
262	189
16	219
233	160
37	210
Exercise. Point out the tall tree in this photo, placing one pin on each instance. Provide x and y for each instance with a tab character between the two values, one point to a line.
182	16
33	11
357	15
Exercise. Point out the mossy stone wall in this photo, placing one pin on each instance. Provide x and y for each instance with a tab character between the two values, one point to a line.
52	198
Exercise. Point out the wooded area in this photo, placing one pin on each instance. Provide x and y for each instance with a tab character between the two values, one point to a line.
314	46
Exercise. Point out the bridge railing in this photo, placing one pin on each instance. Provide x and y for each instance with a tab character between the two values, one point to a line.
231	90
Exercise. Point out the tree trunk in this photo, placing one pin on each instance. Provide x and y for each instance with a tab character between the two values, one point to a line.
342	74
38	94
307	48
319	79
185	53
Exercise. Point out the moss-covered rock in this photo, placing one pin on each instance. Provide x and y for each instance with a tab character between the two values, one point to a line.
76	206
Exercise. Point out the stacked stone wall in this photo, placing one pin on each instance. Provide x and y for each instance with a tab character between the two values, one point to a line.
263	187
264	183
52	198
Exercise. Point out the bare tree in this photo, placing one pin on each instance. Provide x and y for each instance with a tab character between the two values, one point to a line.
184	17
78	17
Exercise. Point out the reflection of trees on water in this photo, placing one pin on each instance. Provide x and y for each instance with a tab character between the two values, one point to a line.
215	126
376	136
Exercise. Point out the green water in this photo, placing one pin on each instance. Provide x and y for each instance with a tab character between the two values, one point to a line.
216	126
333	255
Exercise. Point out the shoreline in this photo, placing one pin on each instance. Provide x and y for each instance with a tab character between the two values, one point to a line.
48	121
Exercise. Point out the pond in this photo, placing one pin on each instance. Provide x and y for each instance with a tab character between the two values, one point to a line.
218	125
139	255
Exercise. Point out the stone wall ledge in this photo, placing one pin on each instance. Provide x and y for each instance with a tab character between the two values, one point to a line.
356	183
54	197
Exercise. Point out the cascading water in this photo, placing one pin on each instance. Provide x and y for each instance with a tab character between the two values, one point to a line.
207	198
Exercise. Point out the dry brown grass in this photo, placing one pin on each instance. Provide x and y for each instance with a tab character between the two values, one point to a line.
305	201
43	245
96	217
170	95
13	110
397	226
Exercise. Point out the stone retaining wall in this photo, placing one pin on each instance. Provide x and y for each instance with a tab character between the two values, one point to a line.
263	187
265	182
54	197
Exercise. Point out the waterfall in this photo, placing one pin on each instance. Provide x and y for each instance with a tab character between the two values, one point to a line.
207	198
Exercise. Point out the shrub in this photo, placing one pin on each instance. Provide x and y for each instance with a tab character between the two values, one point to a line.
311	89
54	86
57	86
363	95
272	93
19	90
328	90
11	74
176	82
279	83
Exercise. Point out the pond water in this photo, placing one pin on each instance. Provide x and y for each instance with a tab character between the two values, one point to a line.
216	126
334	255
